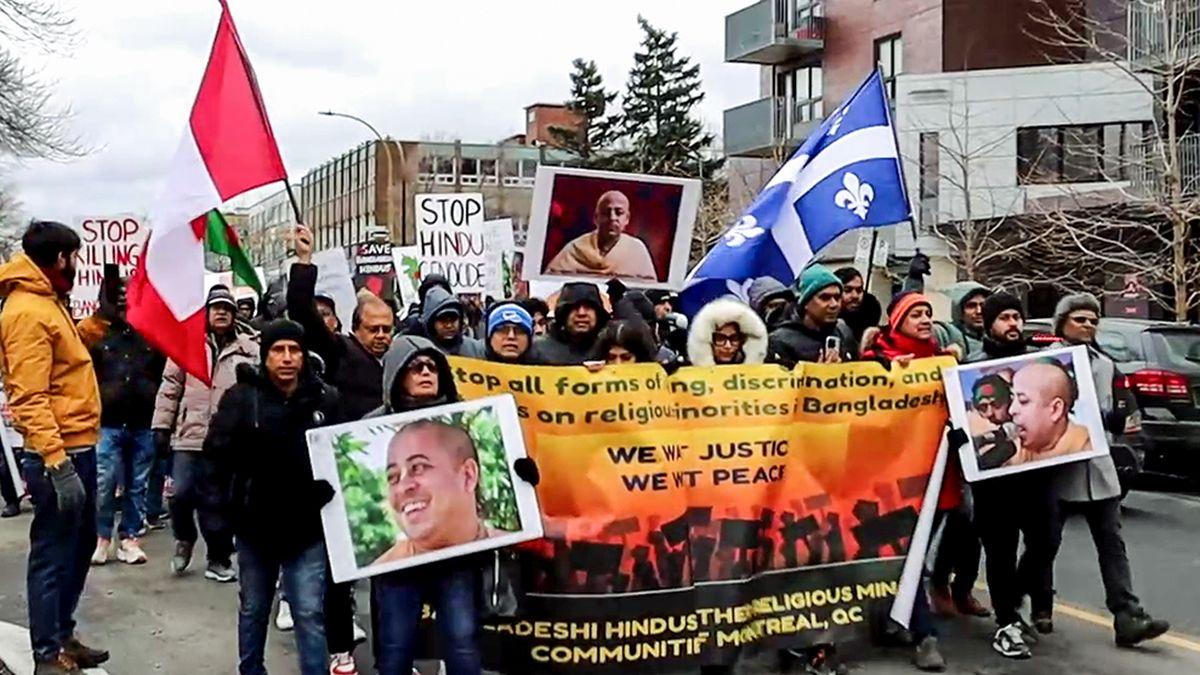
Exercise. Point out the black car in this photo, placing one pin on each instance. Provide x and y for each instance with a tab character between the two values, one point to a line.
1160	362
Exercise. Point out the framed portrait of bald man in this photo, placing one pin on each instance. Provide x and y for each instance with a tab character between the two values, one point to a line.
596	225
415	488
1026	412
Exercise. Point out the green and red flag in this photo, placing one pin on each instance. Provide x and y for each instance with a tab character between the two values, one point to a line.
222	239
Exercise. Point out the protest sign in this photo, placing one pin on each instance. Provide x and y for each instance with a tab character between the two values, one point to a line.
113	239
333	280
373	269
12	442
418	487
1026	412
716	510
499	272
450	238
407	261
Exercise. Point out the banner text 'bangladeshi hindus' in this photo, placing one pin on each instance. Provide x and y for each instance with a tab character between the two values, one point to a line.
691	516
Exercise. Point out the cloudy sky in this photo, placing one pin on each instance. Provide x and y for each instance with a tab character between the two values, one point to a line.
462	69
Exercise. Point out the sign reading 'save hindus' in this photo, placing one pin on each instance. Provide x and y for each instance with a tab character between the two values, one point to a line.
693	516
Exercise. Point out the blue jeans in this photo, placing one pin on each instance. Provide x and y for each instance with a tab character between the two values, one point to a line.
122	454
453	590
304	584
60	548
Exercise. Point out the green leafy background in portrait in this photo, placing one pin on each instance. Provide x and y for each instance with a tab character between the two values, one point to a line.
361	466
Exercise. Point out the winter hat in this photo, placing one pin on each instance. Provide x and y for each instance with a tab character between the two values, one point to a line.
431	280
991	387
509	313
764	289
221	295
279	329
996	303
814	280
1073	303
903	304
635	306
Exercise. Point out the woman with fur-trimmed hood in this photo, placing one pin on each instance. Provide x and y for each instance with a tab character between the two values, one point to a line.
726	332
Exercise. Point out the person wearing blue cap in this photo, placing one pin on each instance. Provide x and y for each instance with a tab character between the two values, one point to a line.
509	333
813	332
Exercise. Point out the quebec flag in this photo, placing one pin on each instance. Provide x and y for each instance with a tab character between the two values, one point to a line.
846	175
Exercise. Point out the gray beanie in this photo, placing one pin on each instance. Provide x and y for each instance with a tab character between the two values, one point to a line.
1073	303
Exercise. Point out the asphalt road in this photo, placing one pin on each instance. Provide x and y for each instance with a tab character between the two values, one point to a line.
154	623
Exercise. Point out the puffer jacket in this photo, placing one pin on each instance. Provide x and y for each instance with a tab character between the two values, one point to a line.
793	342
437	300
558	347
185	405
47	370
718	313
130	372
1095	479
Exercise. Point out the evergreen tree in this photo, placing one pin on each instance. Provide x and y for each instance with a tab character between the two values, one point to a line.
590	101
659	129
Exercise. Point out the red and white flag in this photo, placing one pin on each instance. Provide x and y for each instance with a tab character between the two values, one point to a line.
227	148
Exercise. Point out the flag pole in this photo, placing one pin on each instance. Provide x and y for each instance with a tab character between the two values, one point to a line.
912	224
870	259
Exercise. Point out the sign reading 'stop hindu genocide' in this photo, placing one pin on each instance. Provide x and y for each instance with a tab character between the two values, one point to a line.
450	238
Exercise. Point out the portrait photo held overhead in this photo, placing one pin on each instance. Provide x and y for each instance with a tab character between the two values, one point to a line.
1026	412
415	488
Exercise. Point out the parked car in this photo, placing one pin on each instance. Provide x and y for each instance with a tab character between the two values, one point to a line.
1160	365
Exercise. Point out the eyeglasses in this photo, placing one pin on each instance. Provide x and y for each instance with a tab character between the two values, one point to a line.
510	330
722	339
422	366
985	406
1086	320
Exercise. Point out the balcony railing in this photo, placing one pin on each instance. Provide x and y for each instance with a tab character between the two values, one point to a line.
774	31
1149	167
771	126
1163	33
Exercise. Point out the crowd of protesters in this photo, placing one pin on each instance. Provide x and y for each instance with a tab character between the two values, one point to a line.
110	426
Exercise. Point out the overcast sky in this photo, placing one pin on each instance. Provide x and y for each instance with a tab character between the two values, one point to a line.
415	70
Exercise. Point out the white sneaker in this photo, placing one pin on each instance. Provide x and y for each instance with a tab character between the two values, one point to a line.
342	664
360	635
130	551
283	618
1009	642
100	555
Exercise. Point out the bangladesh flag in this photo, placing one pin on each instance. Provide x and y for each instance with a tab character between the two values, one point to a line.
222	239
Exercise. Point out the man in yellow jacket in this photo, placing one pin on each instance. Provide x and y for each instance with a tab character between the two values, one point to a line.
55	404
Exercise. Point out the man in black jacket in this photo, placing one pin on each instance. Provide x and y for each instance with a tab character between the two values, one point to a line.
813	328
258	437
579	315
353	363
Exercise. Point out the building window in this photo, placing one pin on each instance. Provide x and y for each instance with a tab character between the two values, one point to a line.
889	54
929	178
808	85
1082	153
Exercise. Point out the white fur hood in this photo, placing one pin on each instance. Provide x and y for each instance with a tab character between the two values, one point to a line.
718	313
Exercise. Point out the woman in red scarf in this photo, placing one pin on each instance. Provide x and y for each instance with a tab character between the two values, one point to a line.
908	335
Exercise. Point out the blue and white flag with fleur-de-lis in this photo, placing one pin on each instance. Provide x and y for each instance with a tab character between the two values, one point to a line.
846	175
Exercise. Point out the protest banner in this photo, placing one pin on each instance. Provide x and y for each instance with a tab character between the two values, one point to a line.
333	280
407	262
1026	412
116	239
418	487
373	269
450	238
12	443
693	516
500	248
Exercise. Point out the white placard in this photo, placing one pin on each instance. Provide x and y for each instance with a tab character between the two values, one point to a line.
500	278
407	261
106	239
11	441
333	279
450	238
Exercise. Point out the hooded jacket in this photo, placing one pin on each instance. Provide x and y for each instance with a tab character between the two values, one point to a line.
794	342
257	438
186	405
558	347
718	313
1097	478
403	350
764	289
437	300
349	367
48	375
956	332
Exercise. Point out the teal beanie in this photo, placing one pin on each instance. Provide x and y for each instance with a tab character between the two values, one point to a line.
812	281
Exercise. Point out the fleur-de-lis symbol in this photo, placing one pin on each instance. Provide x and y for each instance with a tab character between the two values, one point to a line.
839	116
744	229
741	290
857	196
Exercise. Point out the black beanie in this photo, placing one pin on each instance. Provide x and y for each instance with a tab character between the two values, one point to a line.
279	329
996	303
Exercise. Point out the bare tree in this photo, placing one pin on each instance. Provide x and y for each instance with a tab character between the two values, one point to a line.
12	222
30	124
1144	224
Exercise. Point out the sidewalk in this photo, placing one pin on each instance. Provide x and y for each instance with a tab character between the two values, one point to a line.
155	623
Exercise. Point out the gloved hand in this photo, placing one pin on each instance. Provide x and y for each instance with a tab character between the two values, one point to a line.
956	438
671	366
162	442
527	471
1114	422
322	492
68	488
918	267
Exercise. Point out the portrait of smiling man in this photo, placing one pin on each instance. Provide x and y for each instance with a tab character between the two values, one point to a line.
433	481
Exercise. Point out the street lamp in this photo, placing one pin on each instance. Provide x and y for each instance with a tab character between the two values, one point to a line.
387	149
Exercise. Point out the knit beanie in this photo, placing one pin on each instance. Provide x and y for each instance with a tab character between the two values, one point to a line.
279	329
903	304
813	280
509	313
996	303
1073	303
